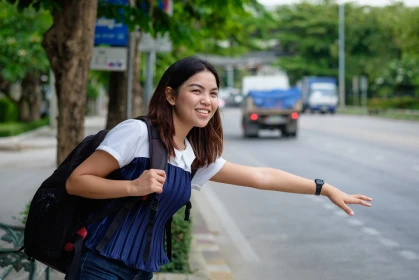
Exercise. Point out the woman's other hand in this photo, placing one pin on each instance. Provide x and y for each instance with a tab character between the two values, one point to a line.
342	199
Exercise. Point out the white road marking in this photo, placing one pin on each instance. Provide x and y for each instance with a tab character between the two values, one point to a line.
355	222
370	231
409	255
388	242
230	226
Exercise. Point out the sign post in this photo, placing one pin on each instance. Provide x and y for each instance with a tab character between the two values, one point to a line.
112	49
150	46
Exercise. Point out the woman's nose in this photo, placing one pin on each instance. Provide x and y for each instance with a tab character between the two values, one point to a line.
206	99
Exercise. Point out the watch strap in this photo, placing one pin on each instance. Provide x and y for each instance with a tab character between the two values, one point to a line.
319	186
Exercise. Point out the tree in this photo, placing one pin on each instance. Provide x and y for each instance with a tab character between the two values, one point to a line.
307	34
22	58
68	44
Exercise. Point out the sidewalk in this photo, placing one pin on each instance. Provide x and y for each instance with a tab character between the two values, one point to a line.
206	259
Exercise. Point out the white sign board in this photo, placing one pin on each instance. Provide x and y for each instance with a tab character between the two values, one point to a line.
109	59
159	44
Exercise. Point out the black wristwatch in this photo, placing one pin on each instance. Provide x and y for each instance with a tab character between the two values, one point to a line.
319	185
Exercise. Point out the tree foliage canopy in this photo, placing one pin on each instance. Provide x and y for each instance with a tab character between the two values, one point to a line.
20	41
381	43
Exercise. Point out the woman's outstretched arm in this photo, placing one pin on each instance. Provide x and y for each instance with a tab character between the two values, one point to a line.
276	180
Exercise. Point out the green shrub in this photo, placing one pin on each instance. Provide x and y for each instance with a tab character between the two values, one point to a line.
411	103
181	244
16	128
9	112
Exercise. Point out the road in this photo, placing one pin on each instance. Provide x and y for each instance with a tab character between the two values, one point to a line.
269	235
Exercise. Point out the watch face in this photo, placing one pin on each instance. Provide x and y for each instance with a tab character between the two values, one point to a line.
319	181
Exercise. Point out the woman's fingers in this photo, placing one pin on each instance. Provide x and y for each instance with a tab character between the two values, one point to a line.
345	208
363	197
358	199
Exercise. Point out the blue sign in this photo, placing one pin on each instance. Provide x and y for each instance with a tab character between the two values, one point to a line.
109	31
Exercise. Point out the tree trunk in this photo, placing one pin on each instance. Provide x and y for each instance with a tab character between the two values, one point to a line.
4	85
30	101
117	98
68	44
117	108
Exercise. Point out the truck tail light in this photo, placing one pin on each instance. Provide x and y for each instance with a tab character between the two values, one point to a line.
254	117
294	116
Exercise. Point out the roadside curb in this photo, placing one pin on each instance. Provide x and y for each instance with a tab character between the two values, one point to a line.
212	257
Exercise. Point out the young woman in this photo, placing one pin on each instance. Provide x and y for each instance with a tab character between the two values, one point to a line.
184	108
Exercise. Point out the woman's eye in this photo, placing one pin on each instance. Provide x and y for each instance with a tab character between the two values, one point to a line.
196	90
214	94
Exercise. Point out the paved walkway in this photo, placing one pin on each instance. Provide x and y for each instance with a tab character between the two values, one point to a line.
36	151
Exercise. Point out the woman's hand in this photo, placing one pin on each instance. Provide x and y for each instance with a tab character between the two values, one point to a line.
341	199
150	181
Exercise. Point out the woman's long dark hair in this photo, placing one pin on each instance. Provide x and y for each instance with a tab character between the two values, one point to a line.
207	142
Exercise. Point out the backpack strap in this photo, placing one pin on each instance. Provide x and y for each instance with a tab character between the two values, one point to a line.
189	204
158	160
116	222
168	230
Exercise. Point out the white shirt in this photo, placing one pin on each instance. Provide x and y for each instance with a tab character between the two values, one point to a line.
129	140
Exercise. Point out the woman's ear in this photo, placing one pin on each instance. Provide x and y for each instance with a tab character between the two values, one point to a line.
170	96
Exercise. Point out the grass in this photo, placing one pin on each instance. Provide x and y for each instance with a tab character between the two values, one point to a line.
353	110
16	128
389	113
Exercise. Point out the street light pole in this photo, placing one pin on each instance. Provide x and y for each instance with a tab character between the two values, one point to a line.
342	55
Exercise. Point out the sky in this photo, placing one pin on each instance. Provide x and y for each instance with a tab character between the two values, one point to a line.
412	3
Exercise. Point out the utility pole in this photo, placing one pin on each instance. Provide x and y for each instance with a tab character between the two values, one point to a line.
342	55
150	63
230	76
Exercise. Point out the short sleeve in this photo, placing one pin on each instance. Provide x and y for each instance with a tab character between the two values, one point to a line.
124	140
204	174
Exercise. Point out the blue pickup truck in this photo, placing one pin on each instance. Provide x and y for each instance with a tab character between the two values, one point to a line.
271	109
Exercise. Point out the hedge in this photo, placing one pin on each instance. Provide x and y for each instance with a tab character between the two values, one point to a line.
9	112
16	128
410	103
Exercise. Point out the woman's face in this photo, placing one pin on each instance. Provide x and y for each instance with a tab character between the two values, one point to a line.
197	100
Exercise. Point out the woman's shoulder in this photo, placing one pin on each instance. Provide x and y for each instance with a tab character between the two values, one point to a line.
130	127
126	141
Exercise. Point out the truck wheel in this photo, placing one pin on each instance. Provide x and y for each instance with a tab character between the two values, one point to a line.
249	134
285	133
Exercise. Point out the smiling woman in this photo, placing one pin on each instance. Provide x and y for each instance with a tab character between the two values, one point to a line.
184	110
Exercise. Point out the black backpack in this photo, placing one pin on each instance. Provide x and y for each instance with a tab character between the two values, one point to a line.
56	223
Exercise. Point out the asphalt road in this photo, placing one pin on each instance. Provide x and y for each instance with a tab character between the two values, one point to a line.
269	235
